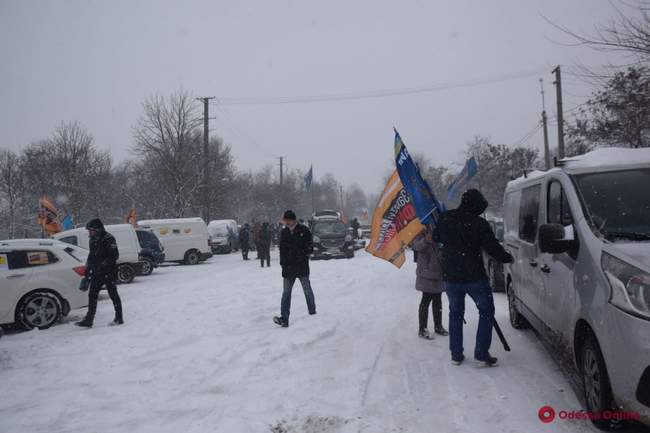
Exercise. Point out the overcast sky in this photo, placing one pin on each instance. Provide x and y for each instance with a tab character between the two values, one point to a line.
96	61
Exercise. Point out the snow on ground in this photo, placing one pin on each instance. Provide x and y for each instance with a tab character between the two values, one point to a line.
199	353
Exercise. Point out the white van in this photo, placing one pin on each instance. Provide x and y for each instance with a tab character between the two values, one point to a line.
580	236
224	236
128	264
185	239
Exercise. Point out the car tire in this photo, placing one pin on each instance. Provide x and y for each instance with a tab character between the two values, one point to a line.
597	390
516	319
125	274
192	257
40	309
147	267
350	255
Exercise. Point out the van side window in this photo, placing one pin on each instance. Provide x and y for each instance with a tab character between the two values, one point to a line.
558	211
176	231
528	213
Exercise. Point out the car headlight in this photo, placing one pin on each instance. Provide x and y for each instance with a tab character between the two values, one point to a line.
630	286
348	238
316	239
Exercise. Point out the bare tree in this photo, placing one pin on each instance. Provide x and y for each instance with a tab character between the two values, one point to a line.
11	189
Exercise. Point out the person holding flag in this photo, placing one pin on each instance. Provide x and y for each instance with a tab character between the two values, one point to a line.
463	234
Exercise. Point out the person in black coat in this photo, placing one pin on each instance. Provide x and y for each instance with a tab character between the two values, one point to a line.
295	249
265	245
462	235
101	272
244	239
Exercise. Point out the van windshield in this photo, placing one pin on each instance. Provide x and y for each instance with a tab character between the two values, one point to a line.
618	202
218	231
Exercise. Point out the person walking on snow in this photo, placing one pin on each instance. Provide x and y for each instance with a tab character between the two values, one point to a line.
265	245
101	272
462	235
244	239
429	282
295	248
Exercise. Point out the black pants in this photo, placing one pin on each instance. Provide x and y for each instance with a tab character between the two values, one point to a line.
265	254
435	300
244	252
93	294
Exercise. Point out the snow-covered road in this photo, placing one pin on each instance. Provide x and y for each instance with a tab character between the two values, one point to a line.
199	353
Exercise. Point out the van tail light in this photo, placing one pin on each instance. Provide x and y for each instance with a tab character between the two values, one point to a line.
80	270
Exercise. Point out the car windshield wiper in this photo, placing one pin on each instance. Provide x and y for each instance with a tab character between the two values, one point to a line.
637	236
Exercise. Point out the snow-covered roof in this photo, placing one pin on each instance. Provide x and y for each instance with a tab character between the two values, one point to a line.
33	243
608	158
529	175
170	221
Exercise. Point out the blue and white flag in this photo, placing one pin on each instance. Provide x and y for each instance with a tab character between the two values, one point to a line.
462	179
309	177
427	206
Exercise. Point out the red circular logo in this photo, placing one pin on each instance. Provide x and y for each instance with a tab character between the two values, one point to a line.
546	414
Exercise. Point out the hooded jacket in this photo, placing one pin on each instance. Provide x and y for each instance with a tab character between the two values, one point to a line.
428	272
295	248
103	255
462	235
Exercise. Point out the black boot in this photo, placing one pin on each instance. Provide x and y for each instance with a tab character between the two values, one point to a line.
440	330
487	360
281	321
85	323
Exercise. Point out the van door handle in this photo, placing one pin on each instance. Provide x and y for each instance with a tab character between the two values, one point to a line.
533	263
545	269
15	276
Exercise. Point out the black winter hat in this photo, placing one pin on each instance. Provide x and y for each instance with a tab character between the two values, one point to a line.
290	215
95	224
473	202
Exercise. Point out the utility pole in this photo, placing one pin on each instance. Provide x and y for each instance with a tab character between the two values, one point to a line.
206	159
341	195
560	112
281	158
547	156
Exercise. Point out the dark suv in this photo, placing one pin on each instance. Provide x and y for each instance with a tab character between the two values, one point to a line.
331	239
152	252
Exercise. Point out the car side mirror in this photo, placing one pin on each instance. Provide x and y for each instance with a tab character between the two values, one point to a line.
554	239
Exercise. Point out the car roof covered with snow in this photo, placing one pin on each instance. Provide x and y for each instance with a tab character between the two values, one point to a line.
171	221
605	159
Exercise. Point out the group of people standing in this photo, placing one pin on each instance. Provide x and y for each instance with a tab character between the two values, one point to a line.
261	236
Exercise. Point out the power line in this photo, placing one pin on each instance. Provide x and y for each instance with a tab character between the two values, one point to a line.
379	93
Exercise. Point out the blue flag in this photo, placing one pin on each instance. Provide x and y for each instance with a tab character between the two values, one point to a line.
67	223
427	206
309	177
462	179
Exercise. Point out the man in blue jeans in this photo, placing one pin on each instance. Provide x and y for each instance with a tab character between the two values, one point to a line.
462	235
295	248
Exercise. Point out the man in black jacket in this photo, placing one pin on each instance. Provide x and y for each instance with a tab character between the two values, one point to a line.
101	271
244	239
295	248
462	234
265	245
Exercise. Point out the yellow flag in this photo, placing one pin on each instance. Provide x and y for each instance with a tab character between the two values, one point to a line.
394	223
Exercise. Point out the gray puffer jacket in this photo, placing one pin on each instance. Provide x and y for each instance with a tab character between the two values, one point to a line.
429	272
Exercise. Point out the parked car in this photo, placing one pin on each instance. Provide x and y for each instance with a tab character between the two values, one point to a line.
580	235
224	236
494	268
331	239
366	230
152	252
40	281
185	239
128	264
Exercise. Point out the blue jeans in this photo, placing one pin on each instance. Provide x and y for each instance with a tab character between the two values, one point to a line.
286	296
481	294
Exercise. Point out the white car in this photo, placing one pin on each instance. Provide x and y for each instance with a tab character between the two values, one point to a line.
186	240
40	281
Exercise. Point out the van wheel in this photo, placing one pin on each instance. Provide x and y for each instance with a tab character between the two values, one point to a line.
595	381
192	257
146	267
516	319
39	310
125	274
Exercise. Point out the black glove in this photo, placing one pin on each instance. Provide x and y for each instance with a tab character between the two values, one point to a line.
510	258
84	284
